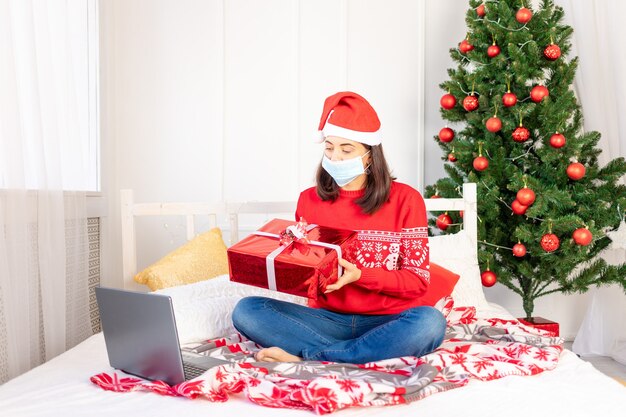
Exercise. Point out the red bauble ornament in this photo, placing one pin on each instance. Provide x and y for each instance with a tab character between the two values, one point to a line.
582	236
480	163
435	196
451	157
494	124
480	10
520	134
538	93
523	15
552	52
493	51
518	208
557	140
488	278
509	99
448	101
576	171
465	46
443	221
446	134
526	196
550	242
519	250
470	103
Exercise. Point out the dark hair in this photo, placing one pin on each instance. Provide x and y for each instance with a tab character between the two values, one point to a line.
377	184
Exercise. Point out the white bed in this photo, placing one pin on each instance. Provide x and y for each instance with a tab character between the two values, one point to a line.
62	387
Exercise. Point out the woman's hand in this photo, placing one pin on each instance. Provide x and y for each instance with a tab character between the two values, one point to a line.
350	274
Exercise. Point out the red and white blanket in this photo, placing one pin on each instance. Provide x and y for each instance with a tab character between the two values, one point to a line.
474	348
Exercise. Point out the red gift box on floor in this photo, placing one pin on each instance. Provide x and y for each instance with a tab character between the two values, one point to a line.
543	324
300	267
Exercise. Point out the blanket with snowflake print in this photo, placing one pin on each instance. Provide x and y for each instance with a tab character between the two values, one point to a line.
474	348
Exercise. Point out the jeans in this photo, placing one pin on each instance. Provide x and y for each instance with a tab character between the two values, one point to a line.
323	335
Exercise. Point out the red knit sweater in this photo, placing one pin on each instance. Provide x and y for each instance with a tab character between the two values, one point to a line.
392	250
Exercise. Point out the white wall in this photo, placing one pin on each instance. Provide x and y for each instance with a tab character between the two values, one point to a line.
211	100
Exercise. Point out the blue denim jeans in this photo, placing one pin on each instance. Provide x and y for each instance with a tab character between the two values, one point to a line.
323	335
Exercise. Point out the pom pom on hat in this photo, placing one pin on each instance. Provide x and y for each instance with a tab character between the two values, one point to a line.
350	116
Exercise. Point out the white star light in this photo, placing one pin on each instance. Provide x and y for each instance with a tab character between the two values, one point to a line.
618	237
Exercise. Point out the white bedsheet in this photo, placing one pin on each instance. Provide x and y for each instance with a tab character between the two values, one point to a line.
61	387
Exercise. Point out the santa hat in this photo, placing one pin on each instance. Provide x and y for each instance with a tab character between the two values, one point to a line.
350	116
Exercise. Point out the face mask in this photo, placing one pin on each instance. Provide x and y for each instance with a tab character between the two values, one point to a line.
344	172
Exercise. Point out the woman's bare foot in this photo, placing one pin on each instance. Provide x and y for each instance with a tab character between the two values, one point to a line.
275	354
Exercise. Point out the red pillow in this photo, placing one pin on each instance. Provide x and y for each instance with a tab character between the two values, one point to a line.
442	282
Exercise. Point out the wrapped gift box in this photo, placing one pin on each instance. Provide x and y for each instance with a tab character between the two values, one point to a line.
300	267
543	324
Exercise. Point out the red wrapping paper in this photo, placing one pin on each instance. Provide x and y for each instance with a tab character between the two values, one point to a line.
543	324
301	269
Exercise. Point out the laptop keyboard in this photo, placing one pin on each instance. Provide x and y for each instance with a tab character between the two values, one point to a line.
192	371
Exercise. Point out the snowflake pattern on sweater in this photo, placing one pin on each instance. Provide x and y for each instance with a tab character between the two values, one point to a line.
394	250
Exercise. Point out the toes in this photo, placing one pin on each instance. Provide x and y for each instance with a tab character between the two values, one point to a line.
275	354
260	355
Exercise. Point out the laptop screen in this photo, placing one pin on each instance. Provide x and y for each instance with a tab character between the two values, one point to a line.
140	334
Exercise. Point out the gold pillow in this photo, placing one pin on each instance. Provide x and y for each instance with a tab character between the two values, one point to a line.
202	258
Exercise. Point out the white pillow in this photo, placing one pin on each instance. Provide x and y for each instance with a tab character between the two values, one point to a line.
455	252
203	310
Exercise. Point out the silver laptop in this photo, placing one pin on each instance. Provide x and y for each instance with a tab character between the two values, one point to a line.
141	337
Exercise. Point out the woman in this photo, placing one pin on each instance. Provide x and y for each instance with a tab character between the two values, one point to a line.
373	311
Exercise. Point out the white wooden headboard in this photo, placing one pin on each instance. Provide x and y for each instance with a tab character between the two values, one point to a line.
231	211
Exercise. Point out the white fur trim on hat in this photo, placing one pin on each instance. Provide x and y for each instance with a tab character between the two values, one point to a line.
368	138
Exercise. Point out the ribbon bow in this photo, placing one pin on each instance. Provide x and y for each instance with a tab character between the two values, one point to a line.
295	233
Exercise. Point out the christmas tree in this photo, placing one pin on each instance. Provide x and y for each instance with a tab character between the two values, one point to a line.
546	209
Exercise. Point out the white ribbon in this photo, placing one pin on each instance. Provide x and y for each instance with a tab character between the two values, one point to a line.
269	260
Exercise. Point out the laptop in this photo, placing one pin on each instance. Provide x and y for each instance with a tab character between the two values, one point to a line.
141	337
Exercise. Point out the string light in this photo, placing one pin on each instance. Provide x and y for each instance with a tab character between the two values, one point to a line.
497	23
508	206
484	242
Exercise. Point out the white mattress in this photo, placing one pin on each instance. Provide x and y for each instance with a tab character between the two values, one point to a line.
61	387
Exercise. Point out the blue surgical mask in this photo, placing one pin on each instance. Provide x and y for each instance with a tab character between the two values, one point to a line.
344	172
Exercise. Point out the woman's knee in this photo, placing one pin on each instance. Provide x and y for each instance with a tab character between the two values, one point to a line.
429	322
438	324
245	312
